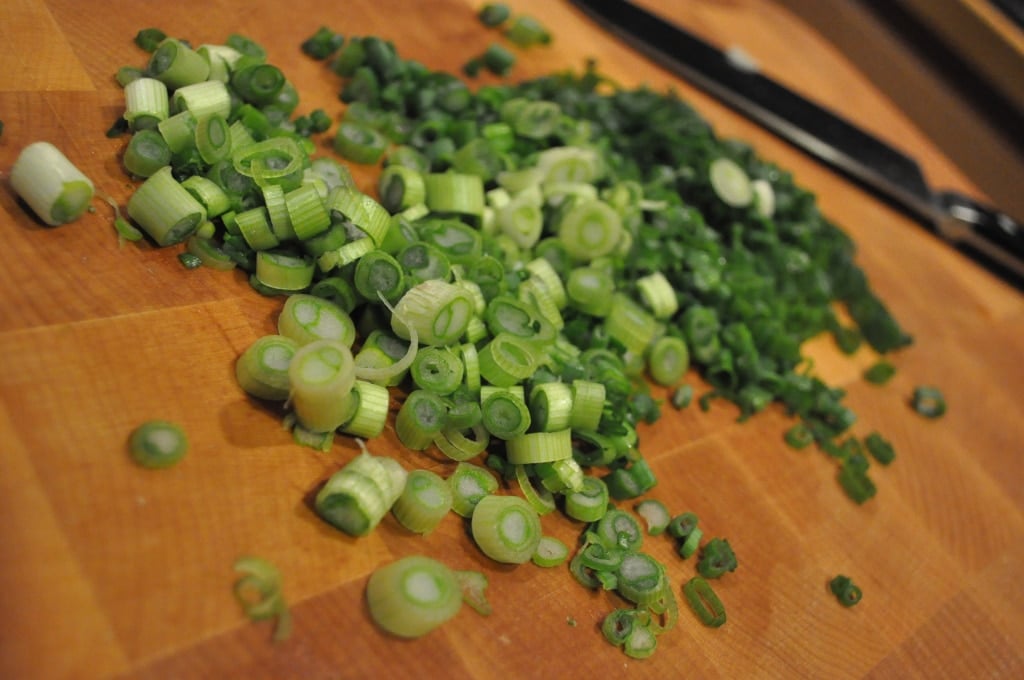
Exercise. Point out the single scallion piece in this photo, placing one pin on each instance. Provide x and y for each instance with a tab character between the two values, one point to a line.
550	552
716	558
505	416
413	595
655	514
262	369
158	444
928	401
146	103
322	375
438	310
305	318
470	483
422	416
259	592
165	209
358	496
424	502
845	590
704	602
506	528
55	190
590	502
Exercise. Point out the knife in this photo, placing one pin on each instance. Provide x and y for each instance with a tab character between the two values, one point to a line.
988	235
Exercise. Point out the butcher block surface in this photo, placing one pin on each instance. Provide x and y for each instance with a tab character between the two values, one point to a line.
111	570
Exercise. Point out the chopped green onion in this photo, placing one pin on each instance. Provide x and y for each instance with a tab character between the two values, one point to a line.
437	369
203	99
356	497
146	103
506	416
470	483
845	590
799	436
655	514
681	396
506	528
716	559
257	83
55	190
507	360
164	209
322	375
456	445
682	525
640	578
879	448
879	372
284	272
322	44
668	360
158	444
928	401
730	183
691	543
213	138
424	502
378	272
422	416
262	369
176	64
551	406
590	502
538	447
618	528
541	500
360	143
258	591
550	552
493	14
305	318
149	38
400	187
590	230
146	153
438	310
704	602
413	595
371	411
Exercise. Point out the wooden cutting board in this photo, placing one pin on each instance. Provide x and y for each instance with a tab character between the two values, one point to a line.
109	570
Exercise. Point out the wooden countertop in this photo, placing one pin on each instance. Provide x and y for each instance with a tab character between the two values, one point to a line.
107	570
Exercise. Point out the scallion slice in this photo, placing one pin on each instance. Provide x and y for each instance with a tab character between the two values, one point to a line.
704	602
165	209
322	375
550	552
306	318
55	190
413	595
262	369
158	444
258	591
506	528
424	502
356	497
470	483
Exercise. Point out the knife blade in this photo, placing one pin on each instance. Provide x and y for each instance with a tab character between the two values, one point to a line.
985	233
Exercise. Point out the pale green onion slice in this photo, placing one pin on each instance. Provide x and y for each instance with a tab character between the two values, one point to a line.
505	415
371	413
422	416
283	271
438	310
474	584
590	503
306	318
551	406
165	209
158	444
655	514
458	446
550	552
540	447
145	103
541	500
203	99
506	528
632	325
470	483
668	360
590	230
412	596
322	375
455	193
258	591
176	64
50	184
262	370
658	294
508	360
730	183
356	497
424	502
588	397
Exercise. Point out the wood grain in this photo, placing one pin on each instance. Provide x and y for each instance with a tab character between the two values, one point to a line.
107	570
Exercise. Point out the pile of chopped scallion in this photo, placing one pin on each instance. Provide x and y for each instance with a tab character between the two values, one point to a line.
537	255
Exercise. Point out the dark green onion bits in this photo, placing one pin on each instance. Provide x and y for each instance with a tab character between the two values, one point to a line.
158	444
716	558
928	401
845	590
879	372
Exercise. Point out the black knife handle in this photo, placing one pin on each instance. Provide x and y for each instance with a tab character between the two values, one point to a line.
982	228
